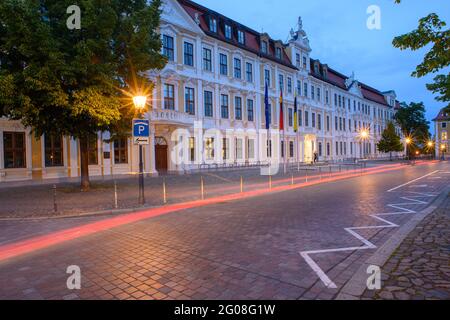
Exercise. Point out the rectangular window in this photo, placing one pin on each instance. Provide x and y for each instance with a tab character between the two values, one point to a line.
189	54
281	81
319	121
251	148
269	148
250	115
289	85
328	123
225	148
320	149
213	25
169	97
326	97
237	68
121	151
209	148
208	104
299	88
93	150
168	48
224	106
192	149
228	31
241	37
336	126
306	119
189	101
238	108
207	61
312	92
278	53
297	60
300	118
290	117
328	149
337	148
335	100
305	89
264	47
223	64
291	149
444	136
318	94
313	119
282	148
53	146
267	77
304	62
14	150
249	72
238	148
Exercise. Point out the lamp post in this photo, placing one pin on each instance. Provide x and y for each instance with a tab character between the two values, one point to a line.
408	141
430	145
443	149
139	104
364	135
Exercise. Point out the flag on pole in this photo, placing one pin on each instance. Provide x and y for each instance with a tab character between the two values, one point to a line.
295	114
266	105
281	127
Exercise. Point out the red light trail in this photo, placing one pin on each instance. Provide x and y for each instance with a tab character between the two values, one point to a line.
22	247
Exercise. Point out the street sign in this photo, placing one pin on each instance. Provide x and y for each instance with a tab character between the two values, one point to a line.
141	132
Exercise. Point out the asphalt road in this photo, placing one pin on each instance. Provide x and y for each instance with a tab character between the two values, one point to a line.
242	249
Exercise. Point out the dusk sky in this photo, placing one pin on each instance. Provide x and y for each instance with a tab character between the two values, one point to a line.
339	37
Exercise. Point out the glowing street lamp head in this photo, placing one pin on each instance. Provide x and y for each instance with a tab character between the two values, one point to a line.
443	147
364	134
430	144
139	102
408	140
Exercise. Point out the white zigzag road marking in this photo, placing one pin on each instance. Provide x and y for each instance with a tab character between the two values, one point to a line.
411	201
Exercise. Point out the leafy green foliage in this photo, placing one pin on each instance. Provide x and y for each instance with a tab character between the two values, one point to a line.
390	141
75	82
411	119
430	31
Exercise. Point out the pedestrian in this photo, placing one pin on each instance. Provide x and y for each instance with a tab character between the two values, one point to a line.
316	157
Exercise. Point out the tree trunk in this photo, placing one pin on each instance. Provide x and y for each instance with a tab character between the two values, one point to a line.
84	165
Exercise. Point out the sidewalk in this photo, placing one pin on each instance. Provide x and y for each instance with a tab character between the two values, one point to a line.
420	267
38	200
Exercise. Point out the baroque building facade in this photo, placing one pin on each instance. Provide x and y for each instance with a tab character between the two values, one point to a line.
208	107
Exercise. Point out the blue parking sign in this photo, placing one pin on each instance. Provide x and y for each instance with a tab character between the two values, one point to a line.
141	128
141	132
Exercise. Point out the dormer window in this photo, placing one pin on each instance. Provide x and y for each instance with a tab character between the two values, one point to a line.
241	37
227	31
213	25
304	62
316	68
278	53
264	47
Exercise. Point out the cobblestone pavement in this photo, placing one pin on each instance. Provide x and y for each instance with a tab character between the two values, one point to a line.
420	268
243	249
19	201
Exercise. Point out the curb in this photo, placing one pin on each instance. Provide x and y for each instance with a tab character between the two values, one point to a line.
356	286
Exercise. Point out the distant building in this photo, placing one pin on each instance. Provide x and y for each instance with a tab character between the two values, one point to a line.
442	129
216	74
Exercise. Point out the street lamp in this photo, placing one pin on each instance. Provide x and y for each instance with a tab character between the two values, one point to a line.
408	141
443	149
140	103
364	136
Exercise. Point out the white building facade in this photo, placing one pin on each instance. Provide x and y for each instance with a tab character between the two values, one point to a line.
207	107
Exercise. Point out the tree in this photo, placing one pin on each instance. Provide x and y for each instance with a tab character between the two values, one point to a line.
411	119
390	141
430	32
76	82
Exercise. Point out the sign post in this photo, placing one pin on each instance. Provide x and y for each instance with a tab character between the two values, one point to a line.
141	136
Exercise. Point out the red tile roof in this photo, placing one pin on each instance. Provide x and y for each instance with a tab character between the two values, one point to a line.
252	37
442	116
338	79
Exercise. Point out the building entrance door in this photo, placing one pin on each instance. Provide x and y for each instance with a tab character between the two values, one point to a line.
161	149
